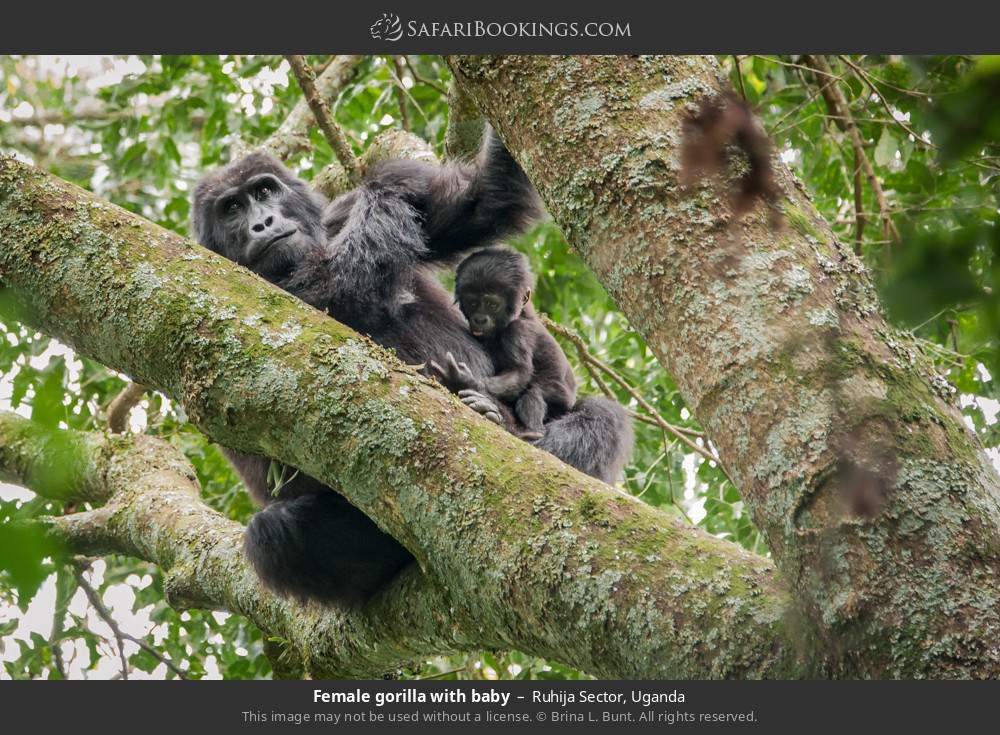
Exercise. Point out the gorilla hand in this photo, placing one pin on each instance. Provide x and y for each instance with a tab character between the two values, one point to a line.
481	404
456	376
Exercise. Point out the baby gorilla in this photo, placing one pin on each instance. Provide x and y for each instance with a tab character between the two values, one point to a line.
493	290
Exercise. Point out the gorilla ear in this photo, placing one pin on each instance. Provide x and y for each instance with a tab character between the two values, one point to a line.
527	296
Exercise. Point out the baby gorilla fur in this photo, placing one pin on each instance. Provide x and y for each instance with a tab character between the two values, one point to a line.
493	290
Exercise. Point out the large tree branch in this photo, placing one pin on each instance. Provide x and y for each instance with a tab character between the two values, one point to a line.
518	547
465	125
871	493
152	511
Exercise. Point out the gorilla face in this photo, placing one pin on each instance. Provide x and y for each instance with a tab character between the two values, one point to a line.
487	311
261	227
255	212
491	287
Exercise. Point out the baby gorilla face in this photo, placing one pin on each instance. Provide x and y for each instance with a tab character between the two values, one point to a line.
492	286
486	313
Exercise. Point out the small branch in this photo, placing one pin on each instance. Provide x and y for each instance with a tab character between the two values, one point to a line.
58	623
104	614
121	407
291	136
828	74
391	143
120	636
840	109
334	135
423	80
739	77
866	78
859	214
48	117
400	90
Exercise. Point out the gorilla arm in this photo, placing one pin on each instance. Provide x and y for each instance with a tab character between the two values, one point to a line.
408	213
464	205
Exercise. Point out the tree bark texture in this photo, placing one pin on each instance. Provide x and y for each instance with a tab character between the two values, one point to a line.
517	549
878	505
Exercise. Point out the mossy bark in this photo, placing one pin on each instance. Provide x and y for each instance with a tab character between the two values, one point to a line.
856	465
517	549
150	509
465	125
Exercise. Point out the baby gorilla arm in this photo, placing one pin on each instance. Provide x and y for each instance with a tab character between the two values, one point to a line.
516	347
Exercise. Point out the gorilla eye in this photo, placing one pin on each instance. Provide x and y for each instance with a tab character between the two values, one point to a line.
264	191
231	206
492	303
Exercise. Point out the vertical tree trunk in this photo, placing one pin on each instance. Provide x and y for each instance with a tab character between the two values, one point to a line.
877	503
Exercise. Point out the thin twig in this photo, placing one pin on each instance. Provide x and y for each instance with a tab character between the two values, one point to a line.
104	614
400	89
859	214
47	117
739	77
120	636
792	65
776	127
441	675
58	625
649	477
839	107
291	137
396	71
866	79
331	130
670	482
903	90
422	80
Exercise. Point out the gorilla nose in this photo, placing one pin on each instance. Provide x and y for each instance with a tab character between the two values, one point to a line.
479	322
263	224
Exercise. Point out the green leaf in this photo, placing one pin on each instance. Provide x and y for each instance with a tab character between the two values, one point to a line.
885	151
22	563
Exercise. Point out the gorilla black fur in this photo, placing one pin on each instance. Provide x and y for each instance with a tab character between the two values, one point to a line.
368	259
493	290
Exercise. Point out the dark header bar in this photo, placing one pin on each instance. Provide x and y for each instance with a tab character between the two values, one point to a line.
513	26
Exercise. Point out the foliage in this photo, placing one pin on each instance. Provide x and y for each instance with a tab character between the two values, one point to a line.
140	130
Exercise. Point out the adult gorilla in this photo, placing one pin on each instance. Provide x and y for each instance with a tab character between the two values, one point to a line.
368	259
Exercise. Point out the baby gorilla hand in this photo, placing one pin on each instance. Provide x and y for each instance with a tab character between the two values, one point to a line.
456	376
481	404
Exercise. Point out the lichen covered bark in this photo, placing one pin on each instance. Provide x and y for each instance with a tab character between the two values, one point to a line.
465	125
875	500
150	509
518	547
